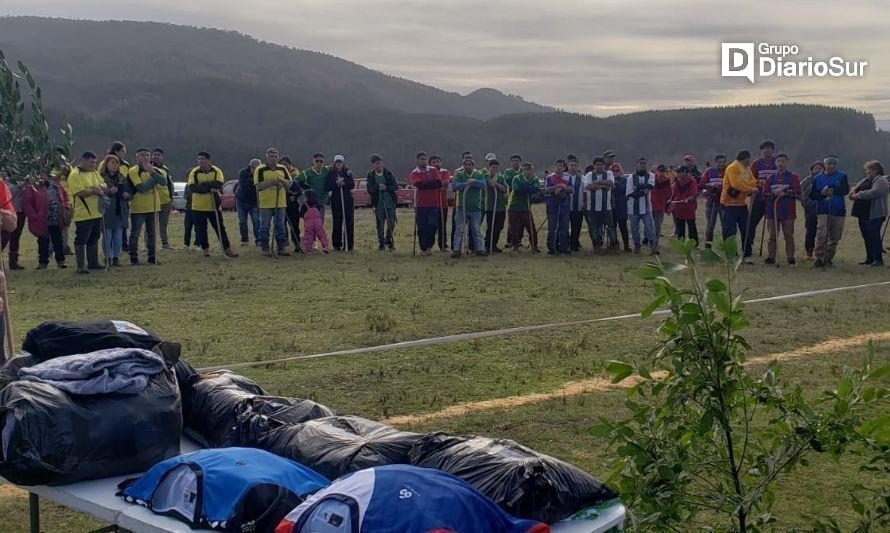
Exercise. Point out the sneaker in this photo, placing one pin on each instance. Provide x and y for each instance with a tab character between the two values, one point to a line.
867	262
282	252
792	262
61	264
769	261
206	252
381	248
166	246
245	243
877	264
481	253
326	251
497	250
134	262
68	251
747	261
82	270
230	253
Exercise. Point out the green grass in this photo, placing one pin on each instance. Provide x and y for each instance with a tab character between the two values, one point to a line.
255	309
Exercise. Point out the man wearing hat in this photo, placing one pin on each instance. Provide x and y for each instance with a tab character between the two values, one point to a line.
609	158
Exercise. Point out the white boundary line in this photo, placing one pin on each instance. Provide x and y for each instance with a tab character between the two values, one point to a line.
519	329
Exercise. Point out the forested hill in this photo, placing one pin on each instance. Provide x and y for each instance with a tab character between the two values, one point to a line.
190	89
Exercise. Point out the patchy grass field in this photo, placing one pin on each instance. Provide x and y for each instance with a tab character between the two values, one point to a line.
256	309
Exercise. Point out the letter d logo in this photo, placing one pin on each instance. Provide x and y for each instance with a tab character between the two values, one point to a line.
737	60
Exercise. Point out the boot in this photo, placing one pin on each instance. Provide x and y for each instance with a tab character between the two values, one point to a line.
14	262
264	247
281	249
230	253
93	257
80	256
115	262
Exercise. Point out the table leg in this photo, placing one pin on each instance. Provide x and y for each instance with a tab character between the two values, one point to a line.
34	512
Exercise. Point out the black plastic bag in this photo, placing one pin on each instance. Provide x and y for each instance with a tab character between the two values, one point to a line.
225	409
56	339
9	372
50	437
211	404
521	481
337	445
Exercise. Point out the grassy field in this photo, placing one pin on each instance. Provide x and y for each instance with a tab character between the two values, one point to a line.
255	309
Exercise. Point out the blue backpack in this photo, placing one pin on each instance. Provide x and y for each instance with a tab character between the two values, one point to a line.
227	489
402	498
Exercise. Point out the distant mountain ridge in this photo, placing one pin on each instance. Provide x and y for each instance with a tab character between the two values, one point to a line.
189	89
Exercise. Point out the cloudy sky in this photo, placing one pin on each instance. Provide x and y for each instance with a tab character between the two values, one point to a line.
598	57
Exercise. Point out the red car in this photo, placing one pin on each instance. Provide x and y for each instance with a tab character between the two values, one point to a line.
228	195
404	195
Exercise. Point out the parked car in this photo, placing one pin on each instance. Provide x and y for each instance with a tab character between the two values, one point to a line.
228	195
179	195
361	197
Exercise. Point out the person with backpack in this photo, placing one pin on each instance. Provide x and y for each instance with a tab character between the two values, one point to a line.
205	180
273	182
781	191
246	203
519	216
870	208
116	216
340	183
44	203
829	188
382	186
313	228
809	207
712	186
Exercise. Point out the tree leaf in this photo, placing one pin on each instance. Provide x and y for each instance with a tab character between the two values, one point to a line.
620	369
648	272
709	256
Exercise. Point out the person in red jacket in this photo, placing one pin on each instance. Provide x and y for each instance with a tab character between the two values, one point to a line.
660	197
683	203
45	205
445	176
427	197
781	191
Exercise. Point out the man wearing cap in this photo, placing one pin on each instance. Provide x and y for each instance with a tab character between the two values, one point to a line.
86	187
712	185
145	181
314	178
689	167
639	207
428	184
245	203
829	189
763	169
609	158
272	181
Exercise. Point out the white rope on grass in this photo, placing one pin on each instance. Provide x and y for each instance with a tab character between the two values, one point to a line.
447	339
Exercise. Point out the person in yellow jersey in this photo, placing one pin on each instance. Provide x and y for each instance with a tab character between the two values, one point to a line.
145	181
273	182
165	196
204	181
87	188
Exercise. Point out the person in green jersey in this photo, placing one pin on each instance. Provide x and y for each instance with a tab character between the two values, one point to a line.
496	191
381	185
314	178
468	185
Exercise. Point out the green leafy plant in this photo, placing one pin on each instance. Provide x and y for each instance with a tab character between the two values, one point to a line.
27	149
706	439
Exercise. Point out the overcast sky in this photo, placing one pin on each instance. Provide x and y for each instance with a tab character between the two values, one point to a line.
597	57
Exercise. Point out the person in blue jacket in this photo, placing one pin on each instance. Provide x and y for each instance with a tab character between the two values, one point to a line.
829	189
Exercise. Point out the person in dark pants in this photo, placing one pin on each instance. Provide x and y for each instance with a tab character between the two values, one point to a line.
246	203
427	186
144	181
809	208
11	239
738	184
576	212
205	181
763	170
494	205
294	194
44	204
870	207
442	221
87	188
188	220
340	183
619	207
559	192
382	186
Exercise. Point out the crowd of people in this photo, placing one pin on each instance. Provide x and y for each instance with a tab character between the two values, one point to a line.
110	201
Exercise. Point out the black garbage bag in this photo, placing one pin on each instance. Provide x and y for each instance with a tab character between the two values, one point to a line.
9	372
211	404
56	339
261	414
337	445
48	436
523	482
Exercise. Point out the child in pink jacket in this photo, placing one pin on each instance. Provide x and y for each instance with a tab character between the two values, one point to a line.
313	226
